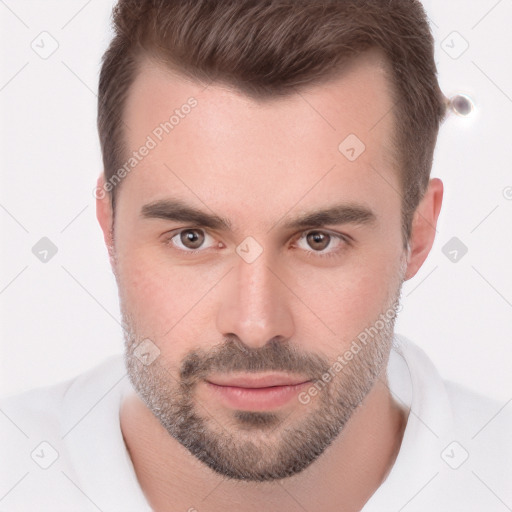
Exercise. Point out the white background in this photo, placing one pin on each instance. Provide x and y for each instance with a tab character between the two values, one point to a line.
62	317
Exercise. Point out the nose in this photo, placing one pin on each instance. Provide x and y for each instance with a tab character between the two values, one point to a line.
255	303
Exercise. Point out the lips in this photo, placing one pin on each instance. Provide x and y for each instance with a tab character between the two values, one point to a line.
259	381
255	392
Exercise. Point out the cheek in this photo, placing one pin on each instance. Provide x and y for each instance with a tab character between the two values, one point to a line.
164	299
349	298
149	292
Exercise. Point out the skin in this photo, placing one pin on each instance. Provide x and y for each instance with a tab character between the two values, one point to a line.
260	164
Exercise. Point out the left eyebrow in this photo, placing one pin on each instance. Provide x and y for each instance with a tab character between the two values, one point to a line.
336	214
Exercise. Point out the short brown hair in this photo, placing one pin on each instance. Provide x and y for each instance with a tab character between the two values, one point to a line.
269	48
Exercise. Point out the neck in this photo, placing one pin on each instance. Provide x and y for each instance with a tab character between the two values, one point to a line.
342	478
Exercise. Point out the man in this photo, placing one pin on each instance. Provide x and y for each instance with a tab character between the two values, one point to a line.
266	191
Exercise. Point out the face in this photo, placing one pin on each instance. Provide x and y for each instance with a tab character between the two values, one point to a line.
248	244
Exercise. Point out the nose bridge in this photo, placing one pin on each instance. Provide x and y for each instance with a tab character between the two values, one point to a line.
255	306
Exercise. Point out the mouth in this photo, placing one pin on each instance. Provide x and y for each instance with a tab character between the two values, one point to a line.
256	393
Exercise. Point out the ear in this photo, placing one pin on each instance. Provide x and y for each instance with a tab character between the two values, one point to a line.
104	215
423	229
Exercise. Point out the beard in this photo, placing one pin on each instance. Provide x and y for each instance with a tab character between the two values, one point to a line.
260	445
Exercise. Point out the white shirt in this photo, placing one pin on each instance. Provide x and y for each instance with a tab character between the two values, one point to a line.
61	446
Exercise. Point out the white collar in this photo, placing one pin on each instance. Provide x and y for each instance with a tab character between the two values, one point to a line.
415	381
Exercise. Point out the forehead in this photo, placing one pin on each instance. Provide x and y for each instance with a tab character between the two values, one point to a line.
216	146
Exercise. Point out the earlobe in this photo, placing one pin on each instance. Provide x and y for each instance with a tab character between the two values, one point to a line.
424	225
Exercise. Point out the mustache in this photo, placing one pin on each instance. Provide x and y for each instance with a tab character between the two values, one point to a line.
233	356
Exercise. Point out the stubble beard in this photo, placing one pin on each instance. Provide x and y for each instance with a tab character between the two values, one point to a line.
258	445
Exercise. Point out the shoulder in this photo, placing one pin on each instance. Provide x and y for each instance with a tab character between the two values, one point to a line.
456	435
469	403
48	413
56	438
47	404
482	427
473	429
480	418
41	430
469	409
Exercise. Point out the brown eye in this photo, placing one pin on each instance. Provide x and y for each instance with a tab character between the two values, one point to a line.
192	238
192	241
318	240
323	244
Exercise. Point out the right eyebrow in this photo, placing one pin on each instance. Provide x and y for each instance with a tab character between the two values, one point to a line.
174	209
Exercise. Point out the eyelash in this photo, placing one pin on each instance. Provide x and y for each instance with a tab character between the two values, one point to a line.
343	238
